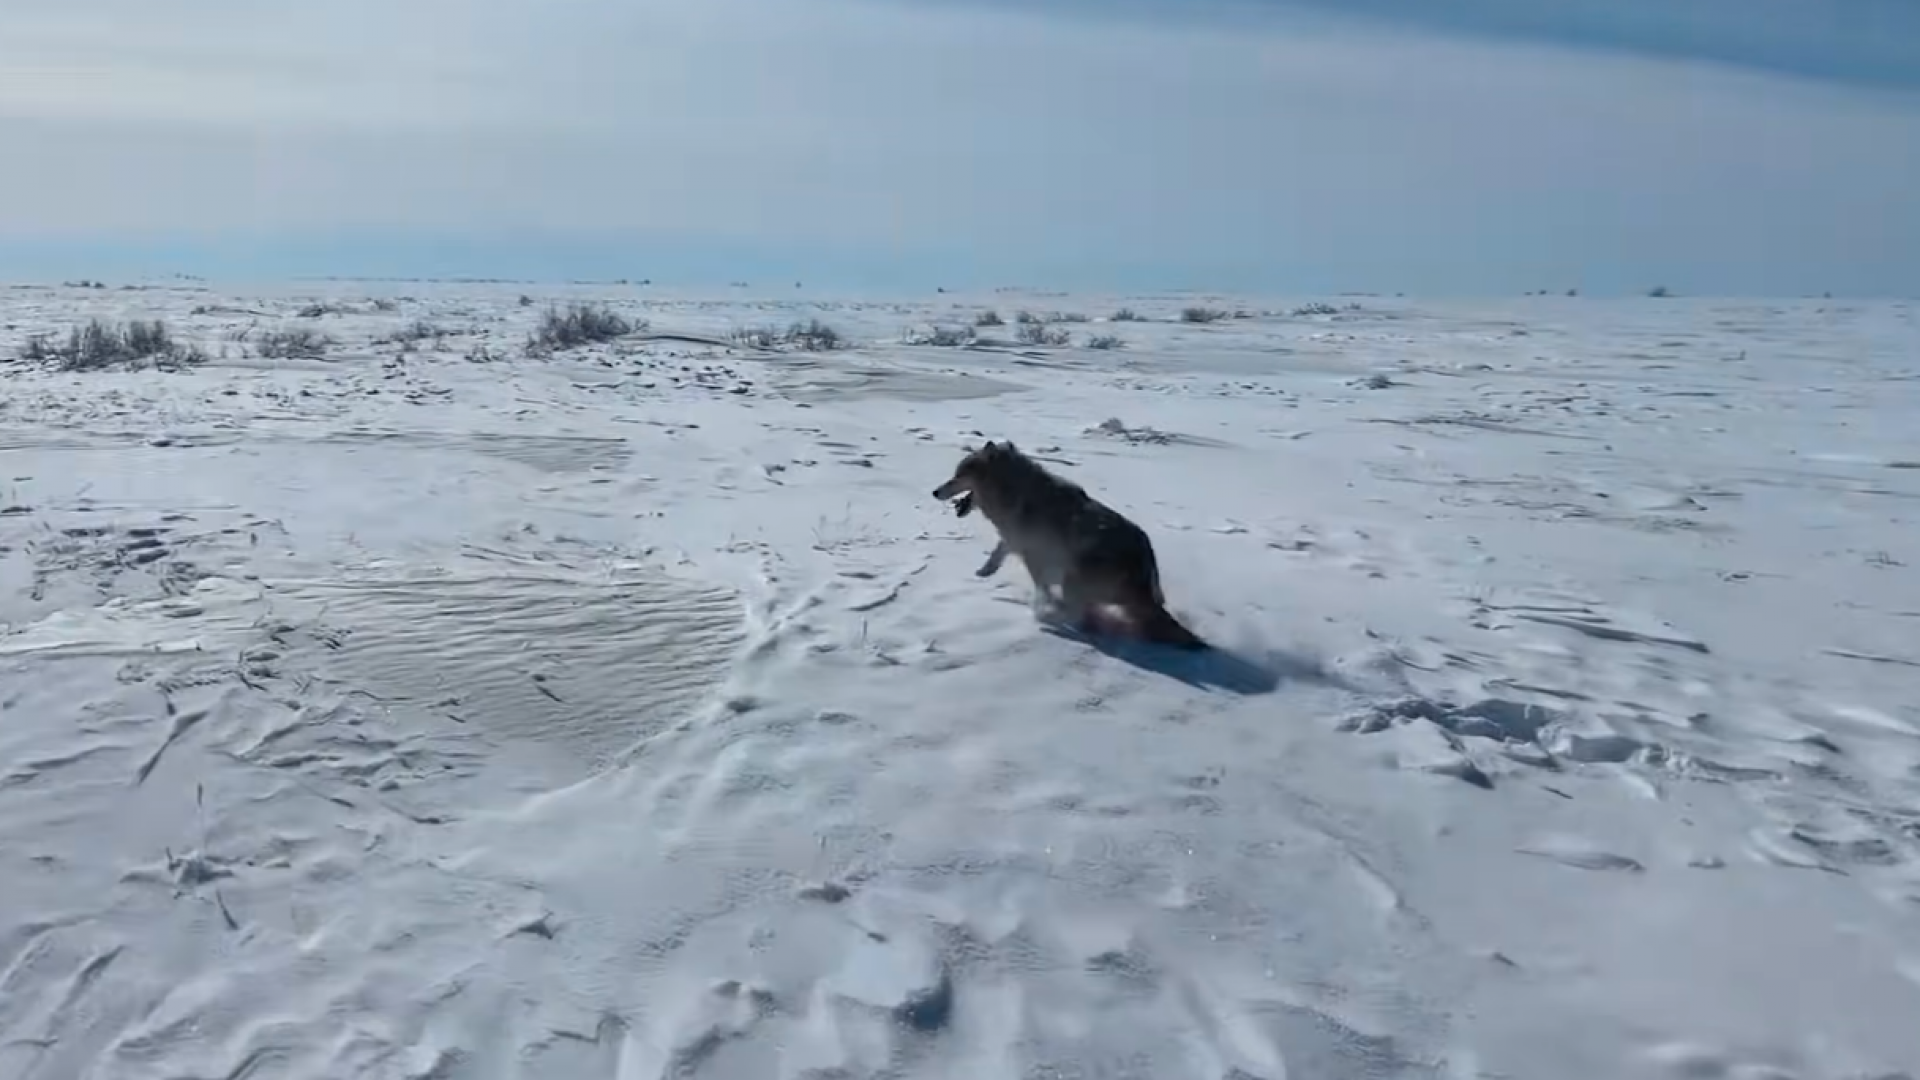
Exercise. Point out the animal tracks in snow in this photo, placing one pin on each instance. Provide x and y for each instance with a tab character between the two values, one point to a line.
631	711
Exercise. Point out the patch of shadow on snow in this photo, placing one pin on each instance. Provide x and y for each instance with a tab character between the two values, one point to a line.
1235	671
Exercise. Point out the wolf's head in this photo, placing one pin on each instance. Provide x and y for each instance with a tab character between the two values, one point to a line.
973	470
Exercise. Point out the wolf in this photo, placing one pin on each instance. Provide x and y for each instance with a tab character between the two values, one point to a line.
1067	539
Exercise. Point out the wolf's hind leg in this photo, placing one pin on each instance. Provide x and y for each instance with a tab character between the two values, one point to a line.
1044	602
1077	601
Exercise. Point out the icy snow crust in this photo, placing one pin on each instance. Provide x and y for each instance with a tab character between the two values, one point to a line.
633	711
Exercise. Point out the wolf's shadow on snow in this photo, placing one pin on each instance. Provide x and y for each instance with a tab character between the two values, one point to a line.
1212	668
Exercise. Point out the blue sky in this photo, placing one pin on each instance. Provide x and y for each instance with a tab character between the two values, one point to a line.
1302	146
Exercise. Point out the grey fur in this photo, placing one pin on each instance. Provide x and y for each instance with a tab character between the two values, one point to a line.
1068	540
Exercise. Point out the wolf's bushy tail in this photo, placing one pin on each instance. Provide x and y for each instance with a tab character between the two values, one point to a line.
1158	625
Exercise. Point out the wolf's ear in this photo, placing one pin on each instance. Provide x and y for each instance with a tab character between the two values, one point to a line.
989	448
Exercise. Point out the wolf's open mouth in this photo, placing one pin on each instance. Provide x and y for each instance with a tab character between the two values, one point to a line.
963	504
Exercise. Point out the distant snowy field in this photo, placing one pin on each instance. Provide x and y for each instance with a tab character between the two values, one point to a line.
427	710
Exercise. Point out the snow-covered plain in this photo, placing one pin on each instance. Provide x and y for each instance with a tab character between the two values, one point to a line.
636	712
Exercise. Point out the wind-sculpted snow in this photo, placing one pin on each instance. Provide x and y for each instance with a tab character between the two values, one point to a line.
423	708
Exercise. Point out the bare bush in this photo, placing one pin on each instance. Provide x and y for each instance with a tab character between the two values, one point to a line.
384	304
1201	315
295	344
100	345
419	330
989	318
812	336
1127	315
1105	341
317	310
1315	308
1659	292
815	336
579	324
949	337
1028	318
144	339
1036	333
758	337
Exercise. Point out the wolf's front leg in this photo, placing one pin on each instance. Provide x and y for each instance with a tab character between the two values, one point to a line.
994	558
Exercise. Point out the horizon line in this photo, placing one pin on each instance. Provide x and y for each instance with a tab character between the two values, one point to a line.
184	280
